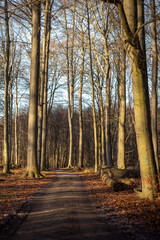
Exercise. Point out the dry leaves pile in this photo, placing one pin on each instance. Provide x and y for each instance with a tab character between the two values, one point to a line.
124	207
15	190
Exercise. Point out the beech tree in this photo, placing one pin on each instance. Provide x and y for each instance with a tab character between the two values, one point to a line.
45	90
93	91
122	112
6	81
128	14
32	169
154	82
80	162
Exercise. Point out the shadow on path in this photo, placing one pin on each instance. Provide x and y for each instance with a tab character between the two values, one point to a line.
63	211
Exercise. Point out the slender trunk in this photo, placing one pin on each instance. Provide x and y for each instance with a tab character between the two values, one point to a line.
42	80
107	103
44	122
93	94
154	84
33	101
80	162
122	113
6	80
71	111
16	122
107	117
102	126
10	122
68	89
99	142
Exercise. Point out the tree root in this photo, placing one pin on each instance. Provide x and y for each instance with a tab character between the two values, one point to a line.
33	174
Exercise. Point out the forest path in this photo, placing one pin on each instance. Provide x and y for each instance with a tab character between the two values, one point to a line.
64	211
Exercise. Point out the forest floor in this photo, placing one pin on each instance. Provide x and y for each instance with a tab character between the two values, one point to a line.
122	210
16	192
130	212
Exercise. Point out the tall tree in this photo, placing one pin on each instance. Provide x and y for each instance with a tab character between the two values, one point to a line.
80	162
104	30
42	80
154	82
122	113
128	14
70	79
93	92
6	80
32	169
16	125
45	92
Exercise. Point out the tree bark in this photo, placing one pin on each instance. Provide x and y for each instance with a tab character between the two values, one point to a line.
154	84
80	161
16	124
68	89
6	80
44	122
42	80
140	17
93	94
70	85
122	113
102	135
10	106
32	168
107	117
137	60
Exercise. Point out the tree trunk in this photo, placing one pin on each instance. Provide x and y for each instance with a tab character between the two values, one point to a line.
93	95
122	113
80	161
6	81
33	100
44	122
140	17
42	80
137	60
10	121
107	117
154	84
16	129
68	89
102	125
70	86
99	140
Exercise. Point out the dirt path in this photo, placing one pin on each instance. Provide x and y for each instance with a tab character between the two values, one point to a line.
63	211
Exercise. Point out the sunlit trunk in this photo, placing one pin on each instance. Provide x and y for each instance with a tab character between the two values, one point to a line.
6	81
122	113
107	117
137	60
33	100
16	126
93	95
80	161
42	80
44	122
154	84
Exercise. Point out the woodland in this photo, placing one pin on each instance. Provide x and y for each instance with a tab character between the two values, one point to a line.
79	89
